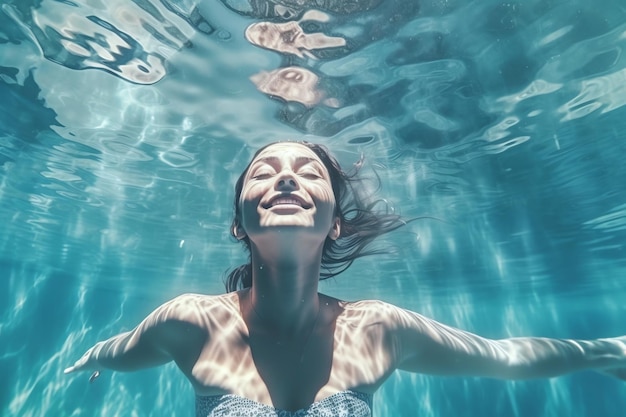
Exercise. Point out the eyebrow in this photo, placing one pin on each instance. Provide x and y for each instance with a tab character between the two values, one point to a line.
300	160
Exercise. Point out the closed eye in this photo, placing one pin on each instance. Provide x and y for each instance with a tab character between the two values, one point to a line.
262	176
262	173
309	174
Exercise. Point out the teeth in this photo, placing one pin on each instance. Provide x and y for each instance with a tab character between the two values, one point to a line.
286	201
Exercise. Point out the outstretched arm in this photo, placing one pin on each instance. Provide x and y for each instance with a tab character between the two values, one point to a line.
171	332
426	346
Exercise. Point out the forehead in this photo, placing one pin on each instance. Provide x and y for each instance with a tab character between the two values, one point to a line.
287	150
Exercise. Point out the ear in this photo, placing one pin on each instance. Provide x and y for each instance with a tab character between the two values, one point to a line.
335	229
238	232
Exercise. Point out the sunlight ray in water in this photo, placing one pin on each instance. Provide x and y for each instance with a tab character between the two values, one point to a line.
125	125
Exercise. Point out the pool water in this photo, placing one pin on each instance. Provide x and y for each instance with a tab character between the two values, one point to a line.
124	125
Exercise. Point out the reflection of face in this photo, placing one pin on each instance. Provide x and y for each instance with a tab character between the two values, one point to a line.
291	84
287	188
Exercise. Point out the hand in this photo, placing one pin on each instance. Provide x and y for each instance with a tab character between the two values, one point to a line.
85	363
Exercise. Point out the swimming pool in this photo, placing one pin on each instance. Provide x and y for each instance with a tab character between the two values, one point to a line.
125	124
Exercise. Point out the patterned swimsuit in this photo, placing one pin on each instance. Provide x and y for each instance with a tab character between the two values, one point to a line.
342	404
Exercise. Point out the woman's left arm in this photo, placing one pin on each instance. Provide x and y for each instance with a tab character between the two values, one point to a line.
426	346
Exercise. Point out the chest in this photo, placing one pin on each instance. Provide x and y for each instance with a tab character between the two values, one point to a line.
292	373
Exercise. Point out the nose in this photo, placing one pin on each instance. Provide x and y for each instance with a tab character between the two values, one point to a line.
286	182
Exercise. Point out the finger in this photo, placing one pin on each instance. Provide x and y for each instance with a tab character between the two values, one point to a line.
94	376
69	370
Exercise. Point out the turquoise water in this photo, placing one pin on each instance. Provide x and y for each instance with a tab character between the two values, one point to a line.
124	125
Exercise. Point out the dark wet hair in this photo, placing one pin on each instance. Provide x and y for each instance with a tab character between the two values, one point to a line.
361	218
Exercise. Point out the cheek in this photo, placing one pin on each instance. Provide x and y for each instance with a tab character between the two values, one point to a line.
250	192
326	201
326	195
249	200
249	216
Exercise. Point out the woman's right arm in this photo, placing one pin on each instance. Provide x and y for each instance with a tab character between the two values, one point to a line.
173	331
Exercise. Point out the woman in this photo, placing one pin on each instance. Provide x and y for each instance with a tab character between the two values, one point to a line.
277	346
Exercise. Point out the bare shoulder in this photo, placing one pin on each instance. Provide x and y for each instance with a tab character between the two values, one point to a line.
369	307
196	308
369	312
380	312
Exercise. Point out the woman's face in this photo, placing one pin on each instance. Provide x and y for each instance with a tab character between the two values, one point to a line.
287	189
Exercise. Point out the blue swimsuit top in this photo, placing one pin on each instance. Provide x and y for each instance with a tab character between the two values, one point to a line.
342	404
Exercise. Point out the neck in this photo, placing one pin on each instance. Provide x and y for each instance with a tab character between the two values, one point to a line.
284	290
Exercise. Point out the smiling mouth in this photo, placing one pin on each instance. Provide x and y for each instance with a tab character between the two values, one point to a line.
286	201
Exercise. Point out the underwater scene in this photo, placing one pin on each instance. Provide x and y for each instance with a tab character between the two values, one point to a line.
497	126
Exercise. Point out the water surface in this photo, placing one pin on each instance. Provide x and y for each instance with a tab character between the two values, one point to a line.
124	125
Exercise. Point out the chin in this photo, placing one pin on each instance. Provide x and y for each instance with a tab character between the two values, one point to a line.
298	219
294	223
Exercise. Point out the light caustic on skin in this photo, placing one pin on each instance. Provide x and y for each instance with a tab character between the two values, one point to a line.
354	345
279	342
